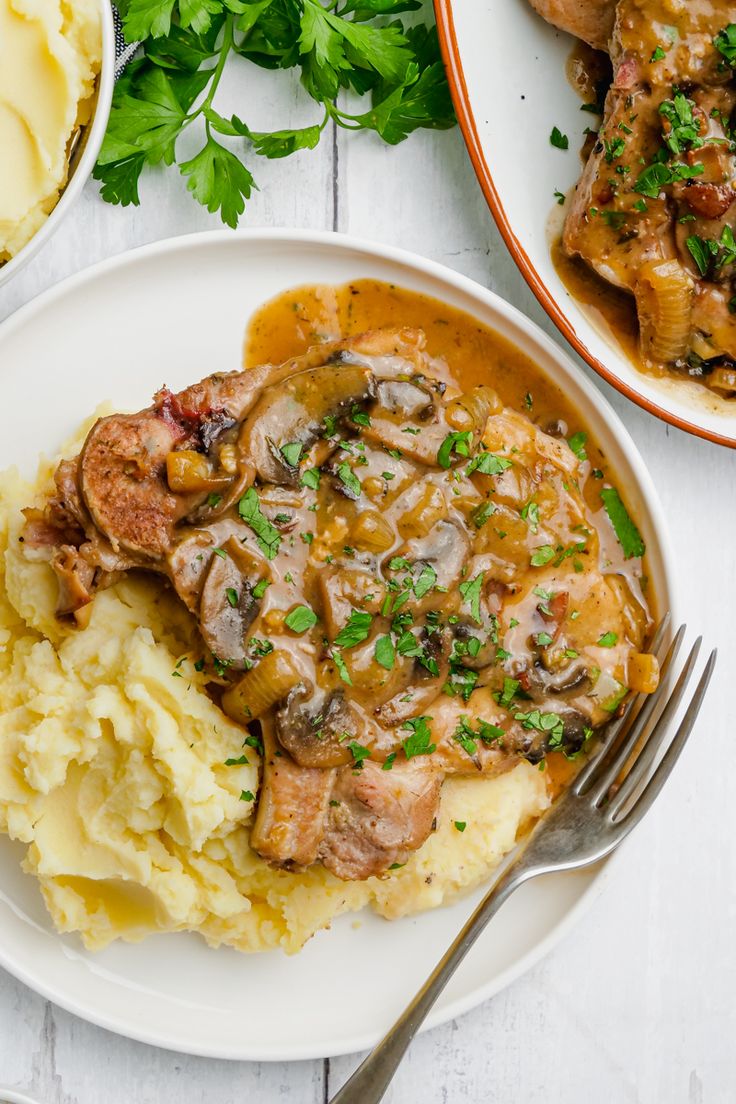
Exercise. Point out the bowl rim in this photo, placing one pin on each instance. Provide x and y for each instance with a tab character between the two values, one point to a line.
537	341
12	1096
454	69
72	189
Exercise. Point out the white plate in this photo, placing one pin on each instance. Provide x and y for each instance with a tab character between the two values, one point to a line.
507	73
173	312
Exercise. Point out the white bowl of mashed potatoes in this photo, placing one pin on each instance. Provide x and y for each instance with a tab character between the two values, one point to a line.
57	67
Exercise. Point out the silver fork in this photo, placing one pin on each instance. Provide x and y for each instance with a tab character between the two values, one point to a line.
584	825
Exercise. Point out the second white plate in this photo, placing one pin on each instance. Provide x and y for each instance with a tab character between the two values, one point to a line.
173	312
506	68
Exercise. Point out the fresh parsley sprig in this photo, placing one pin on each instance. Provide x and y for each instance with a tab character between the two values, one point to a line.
357	46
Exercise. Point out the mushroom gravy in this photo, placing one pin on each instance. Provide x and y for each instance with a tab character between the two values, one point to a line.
403	553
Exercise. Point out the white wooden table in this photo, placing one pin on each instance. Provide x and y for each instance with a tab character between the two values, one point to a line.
639	1003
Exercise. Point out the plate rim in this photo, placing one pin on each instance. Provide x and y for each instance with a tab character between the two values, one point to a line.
599	874
450	49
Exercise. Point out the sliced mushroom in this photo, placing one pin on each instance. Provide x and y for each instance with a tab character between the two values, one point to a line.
294	412
407	398
226	610
316	730
187	566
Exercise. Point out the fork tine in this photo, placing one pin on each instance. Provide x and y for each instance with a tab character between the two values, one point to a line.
648	754
651	791
615	727
611	764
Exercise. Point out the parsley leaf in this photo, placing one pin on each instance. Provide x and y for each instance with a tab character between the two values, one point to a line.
558	139
626	531
471	594
577	443
267	535
300	619
420	741
425	581
311	478
349	480
219	181
356	630
725	43
458	442
488	464
341	666
385	652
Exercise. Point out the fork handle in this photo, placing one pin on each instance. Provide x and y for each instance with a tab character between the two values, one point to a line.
371	1079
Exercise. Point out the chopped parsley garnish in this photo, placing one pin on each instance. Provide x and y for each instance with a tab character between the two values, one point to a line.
558	139
246	795
510	690
608	640
425	581
359	753
481	514
388	764
356	630
725	43
707	251
683	131
458	442
560	197
341	667
420	741
307	538
385	652
461	681
359	416
255	742
577	443
488	464
232	596
291	453
300	619
658	54
241	761
461	825
626	531
310	478
613	149
542	555
267	536
471	595
261	587
330	424
551	724
214	499
543	639
530	514
656	176
349	480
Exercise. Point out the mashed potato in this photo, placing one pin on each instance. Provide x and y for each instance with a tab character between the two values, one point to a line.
134	792
50	53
